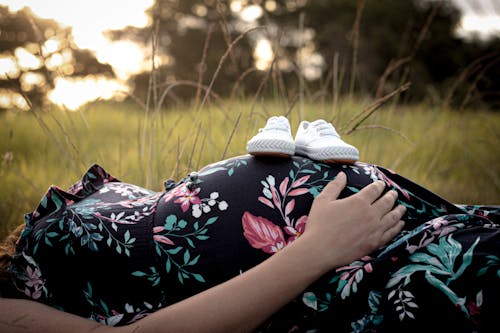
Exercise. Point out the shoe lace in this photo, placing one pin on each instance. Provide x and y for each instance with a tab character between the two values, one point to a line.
326	129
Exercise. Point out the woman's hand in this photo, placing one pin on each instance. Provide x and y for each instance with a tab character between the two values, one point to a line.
343	230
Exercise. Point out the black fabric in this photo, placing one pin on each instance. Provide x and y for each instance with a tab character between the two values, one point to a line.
115	252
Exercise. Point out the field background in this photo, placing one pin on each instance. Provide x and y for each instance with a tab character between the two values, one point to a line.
454	154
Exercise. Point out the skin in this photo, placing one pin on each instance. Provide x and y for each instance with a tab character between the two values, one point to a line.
338	232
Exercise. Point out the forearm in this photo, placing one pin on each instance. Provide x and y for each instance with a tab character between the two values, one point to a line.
238	305
24	316
242	303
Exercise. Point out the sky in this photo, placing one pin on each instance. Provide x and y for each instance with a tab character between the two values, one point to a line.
481	17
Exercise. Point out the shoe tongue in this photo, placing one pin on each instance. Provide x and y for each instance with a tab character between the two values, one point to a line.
277	123
319	122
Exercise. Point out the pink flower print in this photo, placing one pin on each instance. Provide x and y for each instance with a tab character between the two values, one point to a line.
474	308
34	277
266	202
161	238
353	274
284	185
438	222
350	271
298	230
188	197
474	311
262	233
300	181
35	282
441	227
298	191
375	173
483	213
276	197
175	192
75	188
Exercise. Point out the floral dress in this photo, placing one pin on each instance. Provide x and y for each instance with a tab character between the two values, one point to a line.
115	252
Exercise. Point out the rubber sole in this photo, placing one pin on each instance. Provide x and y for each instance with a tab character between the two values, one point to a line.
273	147
330	154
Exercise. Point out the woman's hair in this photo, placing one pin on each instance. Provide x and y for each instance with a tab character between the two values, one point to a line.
7	249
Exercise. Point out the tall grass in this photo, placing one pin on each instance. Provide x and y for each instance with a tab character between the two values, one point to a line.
454	155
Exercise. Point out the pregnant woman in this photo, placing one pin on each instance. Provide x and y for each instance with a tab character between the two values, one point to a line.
254	243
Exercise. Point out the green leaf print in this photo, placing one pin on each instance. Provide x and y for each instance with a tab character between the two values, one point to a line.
493	261
441	260
185	236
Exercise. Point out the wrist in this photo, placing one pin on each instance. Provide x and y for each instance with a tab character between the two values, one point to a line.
314	256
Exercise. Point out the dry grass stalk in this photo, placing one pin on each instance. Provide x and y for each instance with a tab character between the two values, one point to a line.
194	146
390	129
202	65
175	171
291	105
425	28
240	80
261	87
220	7
467	72
335	83
170	86
235	126
395	64
201	151
355	45
151	98
48	131
473	85
367	112
221	63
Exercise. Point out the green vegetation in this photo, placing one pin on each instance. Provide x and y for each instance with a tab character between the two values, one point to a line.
454	154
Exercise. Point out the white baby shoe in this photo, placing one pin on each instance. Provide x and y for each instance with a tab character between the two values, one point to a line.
274	139
320	142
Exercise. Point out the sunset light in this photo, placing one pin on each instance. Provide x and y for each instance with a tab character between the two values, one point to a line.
263	54
89	20
72	93
483	26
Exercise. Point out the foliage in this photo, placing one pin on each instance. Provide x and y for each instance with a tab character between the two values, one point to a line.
50	53
326	47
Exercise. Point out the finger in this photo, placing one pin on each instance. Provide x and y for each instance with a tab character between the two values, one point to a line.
392	232
386	202
393	217
373	191
332	189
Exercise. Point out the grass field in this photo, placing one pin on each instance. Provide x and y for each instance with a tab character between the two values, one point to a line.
457	155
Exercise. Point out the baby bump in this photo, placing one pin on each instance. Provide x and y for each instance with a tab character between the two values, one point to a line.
233	214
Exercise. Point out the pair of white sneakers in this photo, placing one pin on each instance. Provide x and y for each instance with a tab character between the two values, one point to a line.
317	140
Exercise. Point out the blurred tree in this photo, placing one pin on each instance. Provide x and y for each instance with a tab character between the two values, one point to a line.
370	47
188	38
33	53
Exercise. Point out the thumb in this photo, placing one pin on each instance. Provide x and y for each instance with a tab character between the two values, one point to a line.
332	189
